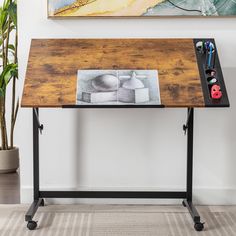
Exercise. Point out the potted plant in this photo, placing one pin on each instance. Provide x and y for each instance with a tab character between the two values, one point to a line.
9	154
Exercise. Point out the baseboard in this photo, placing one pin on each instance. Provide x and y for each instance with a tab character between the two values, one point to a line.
201	196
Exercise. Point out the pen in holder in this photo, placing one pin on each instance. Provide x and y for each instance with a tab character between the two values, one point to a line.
210	55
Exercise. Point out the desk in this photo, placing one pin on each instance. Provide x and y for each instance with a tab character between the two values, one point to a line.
51	82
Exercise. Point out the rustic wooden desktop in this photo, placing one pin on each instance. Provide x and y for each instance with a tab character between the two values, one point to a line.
51	81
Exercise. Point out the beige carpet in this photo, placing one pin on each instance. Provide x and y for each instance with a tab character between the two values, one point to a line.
109	220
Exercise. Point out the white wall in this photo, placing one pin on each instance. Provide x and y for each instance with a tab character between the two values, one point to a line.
129	149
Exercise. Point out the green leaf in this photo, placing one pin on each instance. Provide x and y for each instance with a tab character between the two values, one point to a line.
12	47
8	72
12	11
14	72
4	16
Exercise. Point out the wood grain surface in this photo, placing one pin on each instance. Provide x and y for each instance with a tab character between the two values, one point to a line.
53	63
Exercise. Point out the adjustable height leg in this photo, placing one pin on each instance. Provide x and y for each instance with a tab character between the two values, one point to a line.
190	155
36	154
37	200
188	201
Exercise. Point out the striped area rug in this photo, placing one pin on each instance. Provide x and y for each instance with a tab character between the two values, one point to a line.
115	220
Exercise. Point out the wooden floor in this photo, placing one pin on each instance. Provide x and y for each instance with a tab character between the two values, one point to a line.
10	188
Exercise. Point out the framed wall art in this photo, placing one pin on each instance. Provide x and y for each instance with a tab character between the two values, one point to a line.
140	8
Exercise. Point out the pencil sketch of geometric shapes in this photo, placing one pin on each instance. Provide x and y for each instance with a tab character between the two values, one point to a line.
127	86
99	97
138	95
106	82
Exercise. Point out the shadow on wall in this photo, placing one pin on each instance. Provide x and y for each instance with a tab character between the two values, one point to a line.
215	165
230	125
122	157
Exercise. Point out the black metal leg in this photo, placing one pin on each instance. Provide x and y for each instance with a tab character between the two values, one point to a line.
32	210
190	154
36	153
37	200
188	201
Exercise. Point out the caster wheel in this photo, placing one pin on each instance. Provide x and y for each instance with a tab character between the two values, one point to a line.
199	226
183	203
42	203
31	225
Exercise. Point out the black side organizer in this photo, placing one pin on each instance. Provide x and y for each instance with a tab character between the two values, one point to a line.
210	72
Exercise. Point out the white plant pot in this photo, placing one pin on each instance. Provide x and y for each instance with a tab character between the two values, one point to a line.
9	160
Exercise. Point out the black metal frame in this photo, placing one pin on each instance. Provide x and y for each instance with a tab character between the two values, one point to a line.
39	195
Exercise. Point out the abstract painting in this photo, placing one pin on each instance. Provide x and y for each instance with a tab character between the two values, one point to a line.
118	87
145	8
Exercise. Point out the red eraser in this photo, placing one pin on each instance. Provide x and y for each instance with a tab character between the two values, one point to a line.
216	92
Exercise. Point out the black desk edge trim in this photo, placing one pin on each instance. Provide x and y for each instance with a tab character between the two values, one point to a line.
113	106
